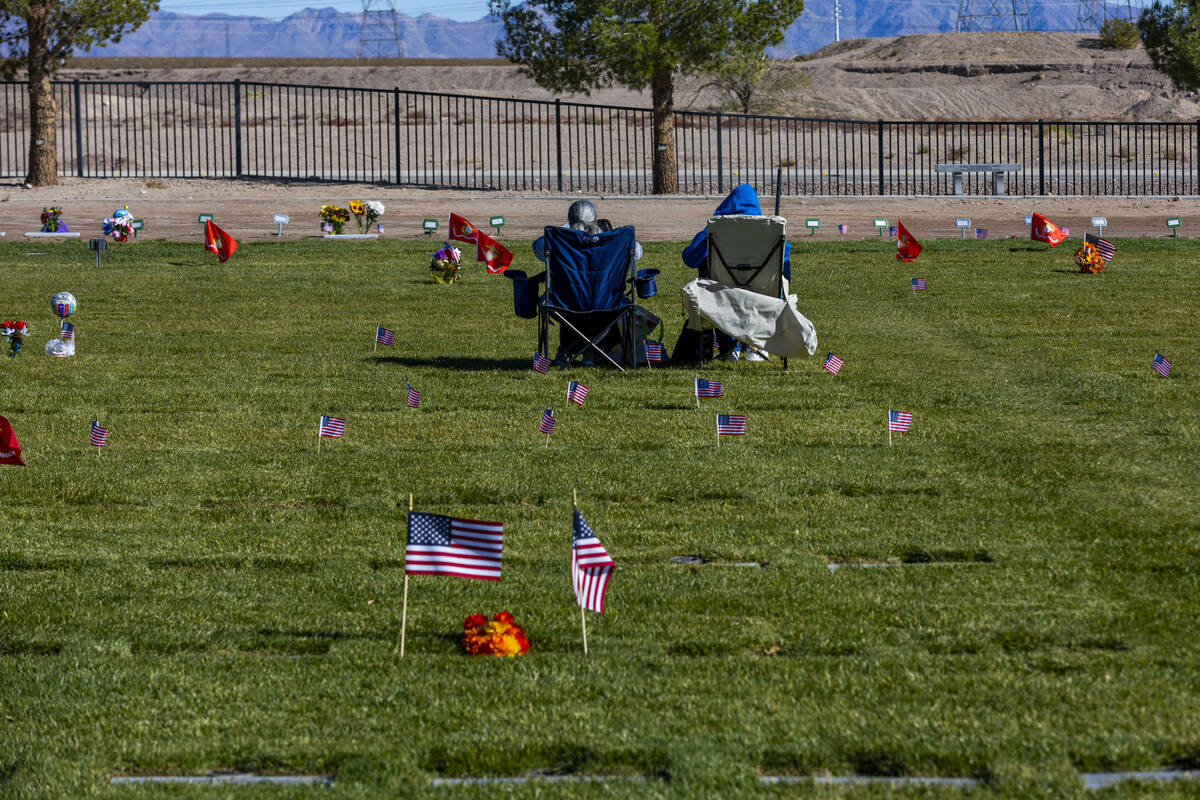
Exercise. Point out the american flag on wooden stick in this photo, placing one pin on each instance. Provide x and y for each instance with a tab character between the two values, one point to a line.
1161	365
1105	248
654	352
731	424
414	397
541	363
331	427
705	388
548	422
68	331
576	392
385	337
99	436
591	566
465	548
832	364
899	421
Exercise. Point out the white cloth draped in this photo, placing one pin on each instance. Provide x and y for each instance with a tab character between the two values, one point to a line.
766	323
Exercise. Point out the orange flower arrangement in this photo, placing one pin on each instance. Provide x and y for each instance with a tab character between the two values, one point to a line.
1088	259
499	636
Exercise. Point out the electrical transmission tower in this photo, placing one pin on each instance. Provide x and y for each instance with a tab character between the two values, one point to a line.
992	15
380	32
1092	13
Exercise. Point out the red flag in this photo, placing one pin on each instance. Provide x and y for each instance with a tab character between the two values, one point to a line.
493	254
1043	230
218	241
907	248
461	230
10	450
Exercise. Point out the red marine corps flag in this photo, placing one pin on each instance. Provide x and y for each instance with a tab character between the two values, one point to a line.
461	230
907	248
493	254
218	241
1043	230
10	450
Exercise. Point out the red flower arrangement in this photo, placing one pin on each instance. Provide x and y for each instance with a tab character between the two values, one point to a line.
1089	259
499	636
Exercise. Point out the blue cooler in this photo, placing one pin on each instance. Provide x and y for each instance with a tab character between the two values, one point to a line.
645	283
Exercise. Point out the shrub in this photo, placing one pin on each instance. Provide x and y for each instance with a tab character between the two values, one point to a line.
1119	34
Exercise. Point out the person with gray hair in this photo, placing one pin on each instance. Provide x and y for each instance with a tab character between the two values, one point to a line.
582	216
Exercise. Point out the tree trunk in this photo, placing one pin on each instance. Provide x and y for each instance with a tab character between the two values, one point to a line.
662	97
43	111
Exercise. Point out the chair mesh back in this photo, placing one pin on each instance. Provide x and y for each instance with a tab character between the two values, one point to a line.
588	271
746	251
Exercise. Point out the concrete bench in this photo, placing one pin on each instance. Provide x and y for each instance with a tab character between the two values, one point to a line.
997	171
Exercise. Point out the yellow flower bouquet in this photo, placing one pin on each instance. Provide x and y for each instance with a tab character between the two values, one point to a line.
333	218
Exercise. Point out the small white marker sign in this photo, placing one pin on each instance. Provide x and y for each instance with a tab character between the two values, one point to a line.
1173	222
1099	222
282	219
203	218
1029	219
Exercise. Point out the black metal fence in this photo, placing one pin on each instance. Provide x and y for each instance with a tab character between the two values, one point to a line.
265	130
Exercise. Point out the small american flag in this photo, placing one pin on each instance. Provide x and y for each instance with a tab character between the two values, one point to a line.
832	364
591	566
731	424
654	352
385	337
576	392
331	427
918	284
714	341
843	229
441	545
1161	365
899	421
548	422
709	388
68	331
1105	248
541	363
99	435
414	397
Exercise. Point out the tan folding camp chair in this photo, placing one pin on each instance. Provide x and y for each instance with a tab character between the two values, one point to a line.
746	252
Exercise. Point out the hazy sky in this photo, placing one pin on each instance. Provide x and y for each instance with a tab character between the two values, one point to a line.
278	9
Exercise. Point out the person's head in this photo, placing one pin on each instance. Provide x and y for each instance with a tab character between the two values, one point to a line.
581	216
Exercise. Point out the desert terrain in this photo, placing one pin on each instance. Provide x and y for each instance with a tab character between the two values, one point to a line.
1056	76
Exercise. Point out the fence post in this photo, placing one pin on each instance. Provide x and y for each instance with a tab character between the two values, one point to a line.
1197	156
396	122
237	126
720	158
558	138
78	131
880	158
1041	158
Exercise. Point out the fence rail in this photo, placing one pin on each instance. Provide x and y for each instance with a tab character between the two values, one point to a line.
268	130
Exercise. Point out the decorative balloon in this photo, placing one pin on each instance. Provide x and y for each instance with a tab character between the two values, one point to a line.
63	304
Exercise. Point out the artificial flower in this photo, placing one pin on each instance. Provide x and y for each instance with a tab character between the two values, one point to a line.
446	265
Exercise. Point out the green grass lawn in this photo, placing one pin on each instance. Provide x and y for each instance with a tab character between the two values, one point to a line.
213	593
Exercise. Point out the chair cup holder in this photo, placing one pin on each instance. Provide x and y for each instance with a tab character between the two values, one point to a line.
645	283
525	292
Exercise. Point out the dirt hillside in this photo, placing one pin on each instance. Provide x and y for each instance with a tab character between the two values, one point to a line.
928	77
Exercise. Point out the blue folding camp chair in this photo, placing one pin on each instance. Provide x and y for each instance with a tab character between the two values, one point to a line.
589	295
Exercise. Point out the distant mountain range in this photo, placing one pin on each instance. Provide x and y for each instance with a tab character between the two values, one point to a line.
327	33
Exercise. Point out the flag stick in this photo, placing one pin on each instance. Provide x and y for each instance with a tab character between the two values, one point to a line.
583	625
404	605
718	420
696	390
889	427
